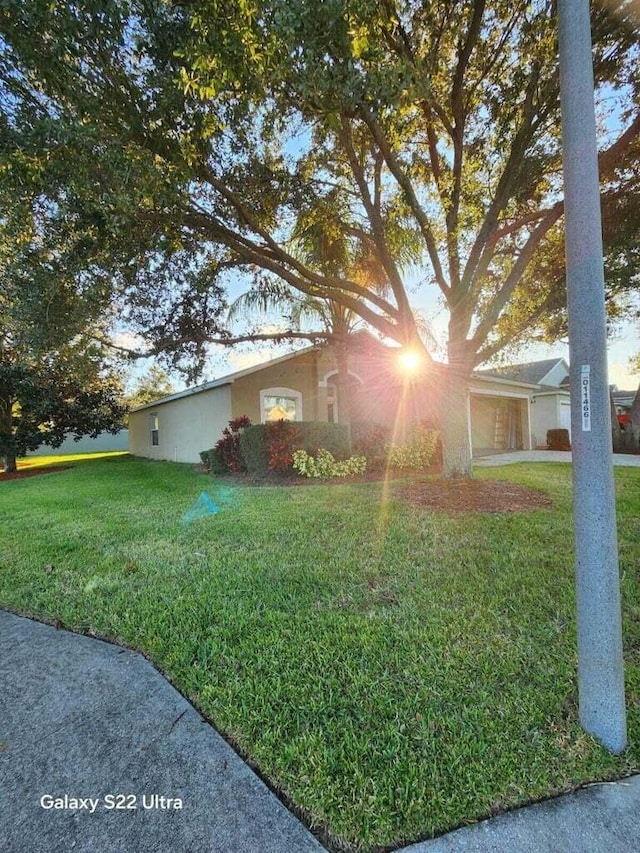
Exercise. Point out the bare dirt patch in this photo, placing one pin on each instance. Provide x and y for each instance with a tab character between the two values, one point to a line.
20	474
485	496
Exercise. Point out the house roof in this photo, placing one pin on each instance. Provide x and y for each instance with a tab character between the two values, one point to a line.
223	380
531	372
623	397
360	338
524	375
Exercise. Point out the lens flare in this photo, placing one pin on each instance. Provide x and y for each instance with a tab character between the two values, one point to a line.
410	361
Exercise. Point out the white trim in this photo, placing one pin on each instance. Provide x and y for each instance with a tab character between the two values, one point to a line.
322	383
566	367
499	394
280	392
529	425
500	381
334	402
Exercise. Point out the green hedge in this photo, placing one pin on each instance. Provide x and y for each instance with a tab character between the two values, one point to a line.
254	448
254	443
212	461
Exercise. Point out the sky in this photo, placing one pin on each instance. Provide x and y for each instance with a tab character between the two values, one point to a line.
622	346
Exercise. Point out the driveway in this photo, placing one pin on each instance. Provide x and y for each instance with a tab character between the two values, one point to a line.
624	459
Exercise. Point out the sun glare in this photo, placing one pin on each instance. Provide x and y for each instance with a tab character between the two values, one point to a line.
410	361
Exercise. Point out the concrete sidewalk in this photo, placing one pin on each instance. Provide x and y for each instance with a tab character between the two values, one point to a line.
627	460
89	720
598	819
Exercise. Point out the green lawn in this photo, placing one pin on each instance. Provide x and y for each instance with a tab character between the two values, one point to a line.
392	671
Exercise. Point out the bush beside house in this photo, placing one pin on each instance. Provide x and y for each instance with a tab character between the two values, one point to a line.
317	448
269	448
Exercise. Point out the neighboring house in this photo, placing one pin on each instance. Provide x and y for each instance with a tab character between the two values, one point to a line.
623	401
509	409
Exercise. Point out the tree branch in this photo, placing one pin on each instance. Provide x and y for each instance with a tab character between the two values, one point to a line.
377	224
501	298
405	184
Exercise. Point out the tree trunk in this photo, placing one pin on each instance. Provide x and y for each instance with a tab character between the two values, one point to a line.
9	460
454	425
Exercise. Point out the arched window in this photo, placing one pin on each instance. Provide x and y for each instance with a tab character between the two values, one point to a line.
277	404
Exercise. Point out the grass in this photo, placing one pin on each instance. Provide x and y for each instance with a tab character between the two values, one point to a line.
393	672
47	461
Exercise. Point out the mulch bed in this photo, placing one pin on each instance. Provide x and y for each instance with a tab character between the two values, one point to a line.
449	496
20	474
372	476
486	496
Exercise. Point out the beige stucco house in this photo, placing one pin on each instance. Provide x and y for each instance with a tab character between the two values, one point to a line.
506	411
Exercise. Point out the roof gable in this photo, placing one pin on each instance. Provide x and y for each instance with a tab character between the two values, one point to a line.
530	372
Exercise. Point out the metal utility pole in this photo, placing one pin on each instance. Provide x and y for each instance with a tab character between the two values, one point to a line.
600	664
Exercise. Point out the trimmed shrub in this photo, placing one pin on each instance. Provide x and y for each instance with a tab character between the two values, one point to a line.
254	447
331	437
325	466
212	461
371	440
266	447
227	450
283	437
417	453
558	439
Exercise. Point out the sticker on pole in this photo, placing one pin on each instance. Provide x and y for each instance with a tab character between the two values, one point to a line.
585	397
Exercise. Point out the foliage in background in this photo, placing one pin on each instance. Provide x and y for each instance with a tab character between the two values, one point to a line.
256	441
212	462
371	441
323	465
152	385
56	374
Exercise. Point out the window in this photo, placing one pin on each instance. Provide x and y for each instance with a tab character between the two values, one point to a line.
332	404
155	432
280	404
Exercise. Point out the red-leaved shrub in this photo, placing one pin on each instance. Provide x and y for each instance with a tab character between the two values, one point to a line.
228	447
283	440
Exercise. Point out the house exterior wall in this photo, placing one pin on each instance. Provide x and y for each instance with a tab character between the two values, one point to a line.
548	411
564	416
310	374
185	426
376	392
299	374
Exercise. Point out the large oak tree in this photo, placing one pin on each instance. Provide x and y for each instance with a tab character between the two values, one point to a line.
190	144
56	378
